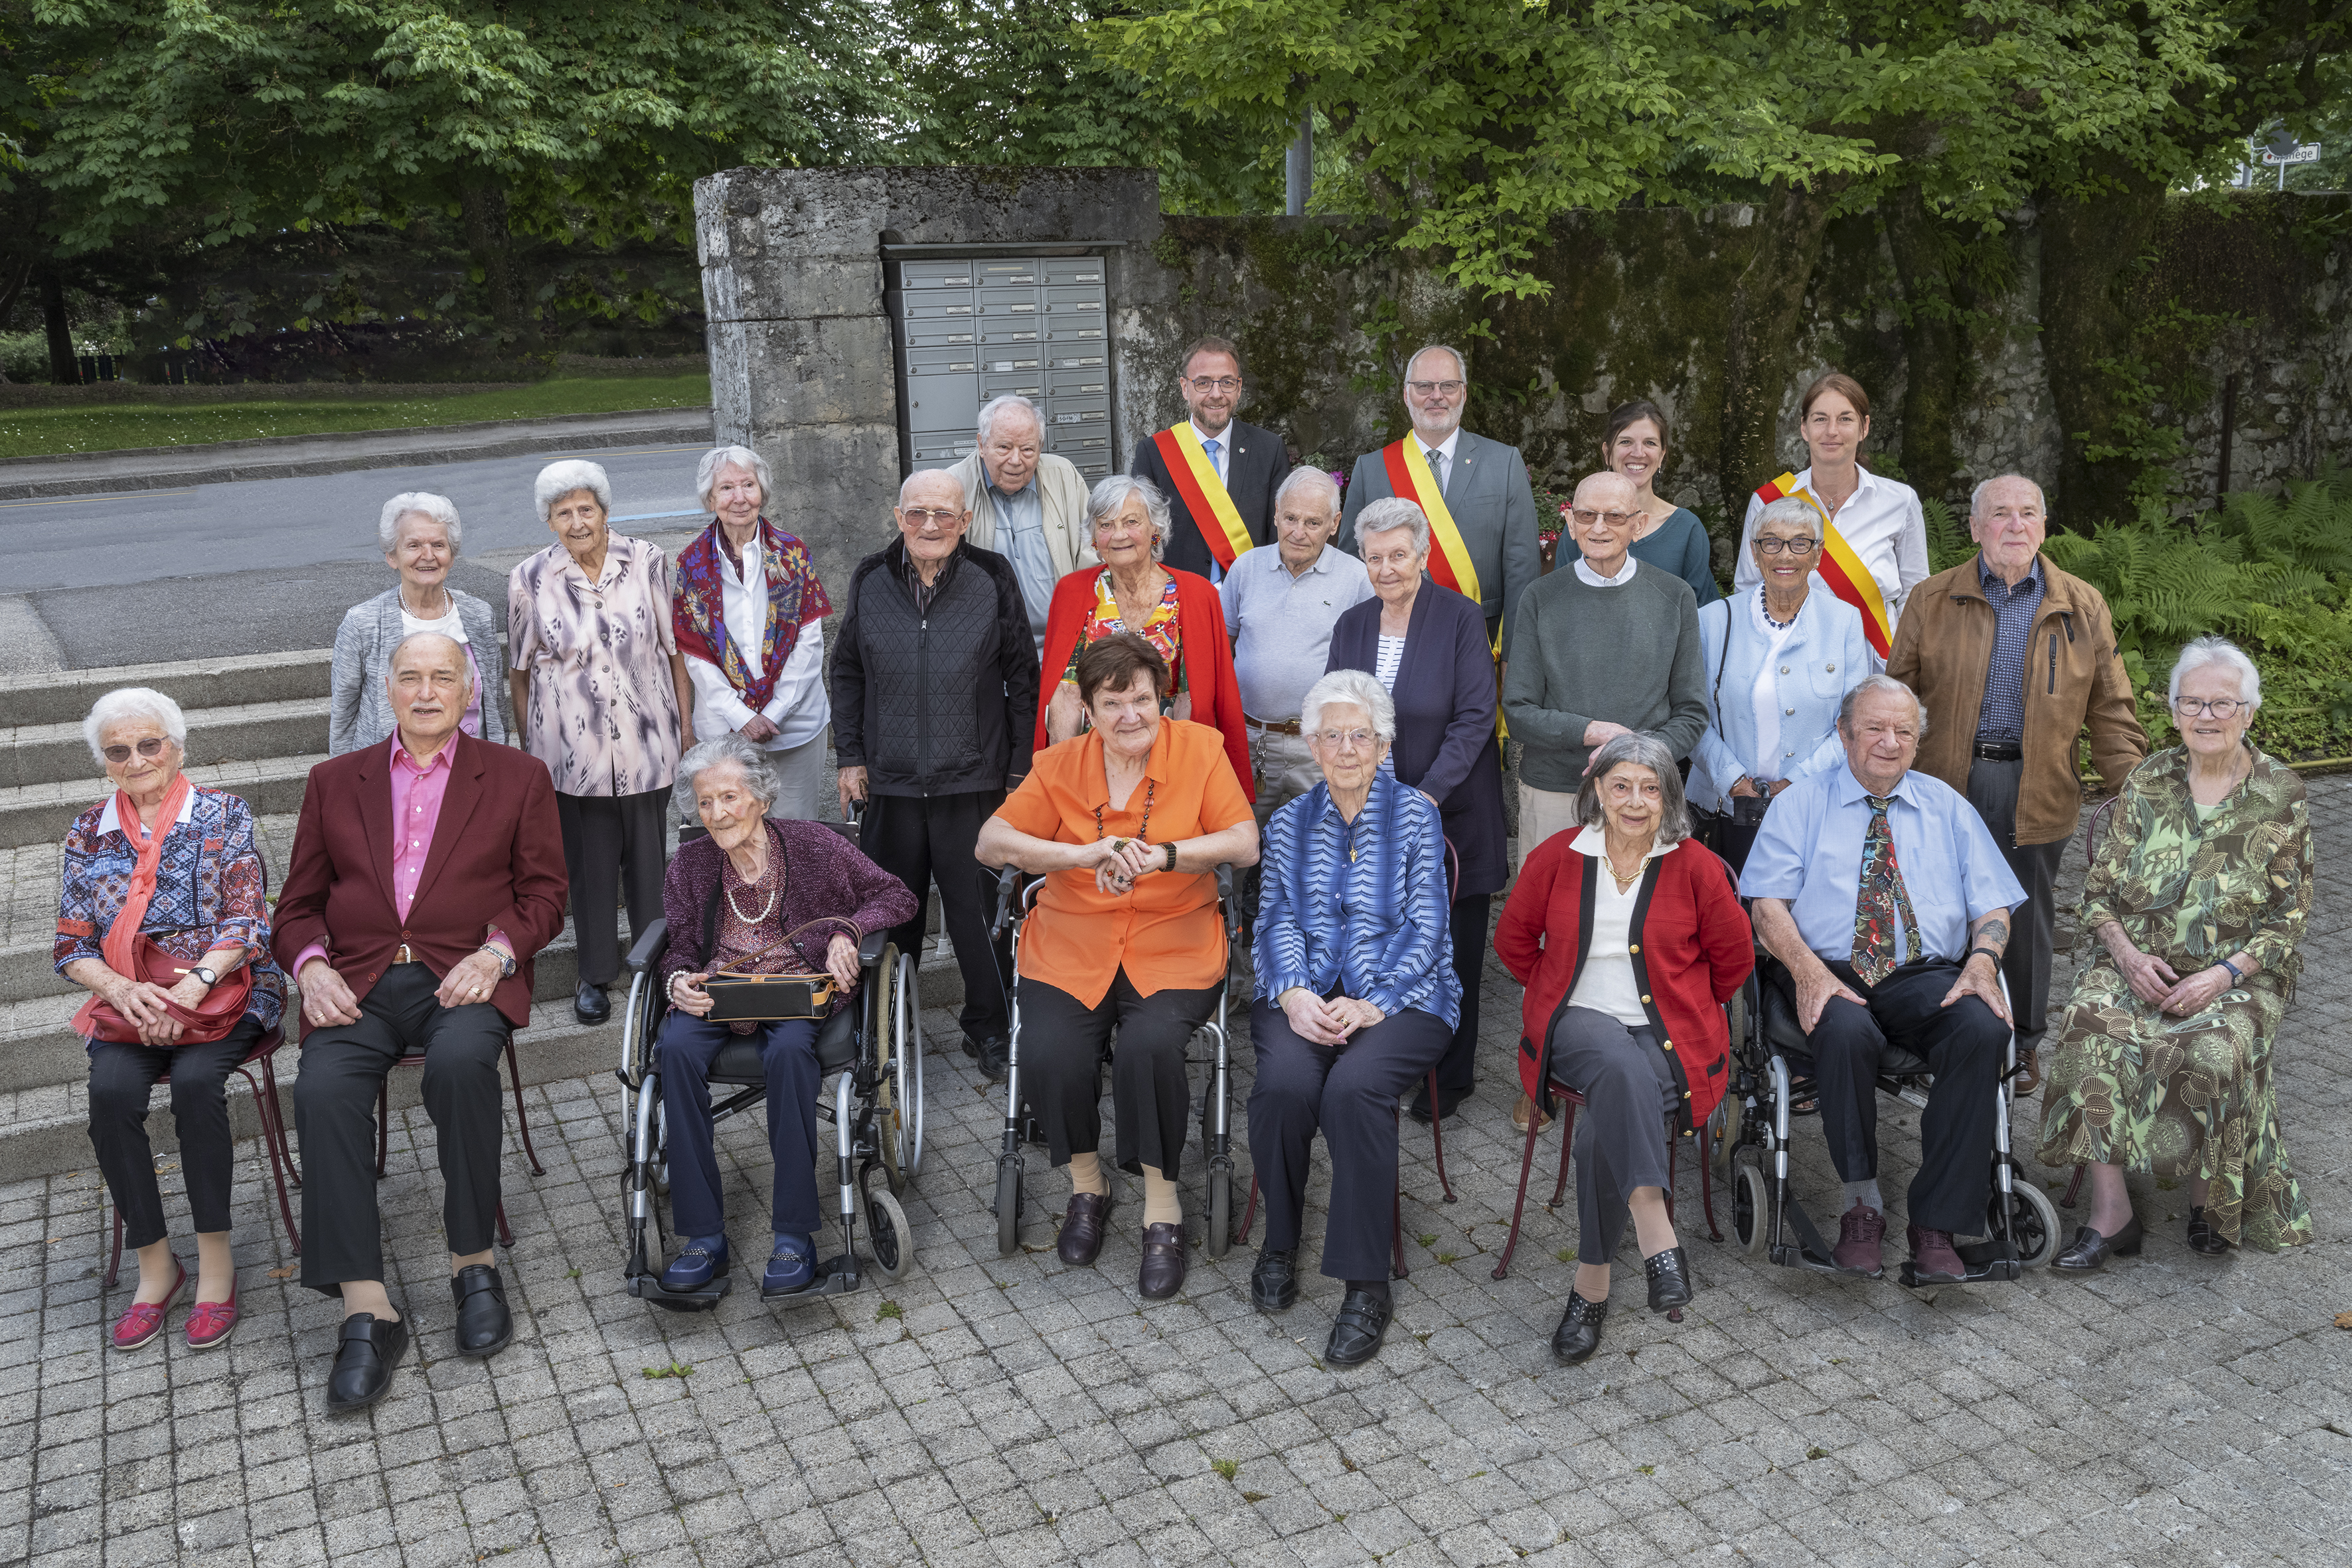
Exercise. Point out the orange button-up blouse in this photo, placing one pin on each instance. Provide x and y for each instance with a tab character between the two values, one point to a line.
1164	932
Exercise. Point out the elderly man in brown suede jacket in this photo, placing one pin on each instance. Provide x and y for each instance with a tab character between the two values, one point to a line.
2013	658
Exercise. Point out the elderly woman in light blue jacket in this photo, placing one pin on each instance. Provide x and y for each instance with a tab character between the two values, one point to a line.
419	532
1779	658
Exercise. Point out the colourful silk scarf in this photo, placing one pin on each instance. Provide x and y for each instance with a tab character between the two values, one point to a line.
794	598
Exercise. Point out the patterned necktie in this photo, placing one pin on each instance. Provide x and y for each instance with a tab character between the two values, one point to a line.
1881	901
1438	468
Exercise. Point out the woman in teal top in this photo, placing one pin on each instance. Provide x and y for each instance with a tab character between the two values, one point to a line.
1674	539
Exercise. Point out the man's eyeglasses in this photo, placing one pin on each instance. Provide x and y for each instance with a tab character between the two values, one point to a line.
1614	519
1426	388
2186	707
150	748
1771	546
928	516
1348	740
1207	384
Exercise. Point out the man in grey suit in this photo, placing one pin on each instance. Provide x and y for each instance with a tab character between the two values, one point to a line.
1026	504
1484	483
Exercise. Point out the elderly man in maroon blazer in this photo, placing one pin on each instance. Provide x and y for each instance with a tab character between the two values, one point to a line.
427	870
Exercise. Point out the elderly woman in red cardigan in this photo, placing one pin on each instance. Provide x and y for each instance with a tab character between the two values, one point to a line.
1629	938
1177	613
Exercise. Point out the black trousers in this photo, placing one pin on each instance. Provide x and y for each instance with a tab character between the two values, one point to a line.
343	1067
611	842
1993	790
1458	1069
922	838
1963	1045
1062	1045
121	1077
1351	1093
1620	1140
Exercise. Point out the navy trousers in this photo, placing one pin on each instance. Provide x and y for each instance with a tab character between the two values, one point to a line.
685	1051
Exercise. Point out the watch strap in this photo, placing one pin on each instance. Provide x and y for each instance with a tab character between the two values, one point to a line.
1987	951
2237	975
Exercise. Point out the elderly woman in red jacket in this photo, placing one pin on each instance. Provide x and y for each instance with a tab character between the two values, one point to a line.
1177	613
1629	938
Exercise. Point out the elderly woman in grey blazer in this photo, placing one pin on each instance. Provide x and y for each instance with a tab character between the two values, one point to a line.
419	532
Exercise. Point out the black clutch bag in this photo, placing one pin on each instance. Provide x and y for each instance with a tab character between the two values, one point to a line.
768	998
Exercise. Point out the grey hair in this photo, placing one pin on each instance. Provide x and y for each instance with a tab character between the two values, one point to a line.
560	480
1342	687
464	662
1461	362
132	702
1305	476
1977	496
944	476
705	476
997	407
758	774
2203	652
1111	494
1881	681
440	509
1788	509
1391	514
1644	752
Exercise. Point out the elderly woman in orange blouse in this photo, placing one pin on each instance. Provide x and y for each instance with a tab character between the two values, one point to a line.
1127	823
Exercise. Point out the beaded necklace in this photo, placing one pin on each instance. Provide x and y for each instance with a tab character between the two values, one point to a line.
1142	833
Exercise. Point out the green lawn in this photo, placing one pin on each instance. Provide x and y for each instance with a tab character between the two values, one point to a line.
37	432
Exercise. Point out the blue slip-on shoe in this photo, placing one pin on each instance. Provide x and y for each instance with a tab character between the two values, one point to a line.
791	1267
701	1260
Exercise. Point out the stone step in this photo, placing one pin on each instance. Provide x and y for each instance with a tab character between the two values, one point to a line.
40	812
56	753
64	695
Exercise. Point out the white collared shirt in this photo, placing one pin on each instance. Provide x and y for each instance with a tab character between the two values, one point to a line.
110	821
1591	579
1607	983
1441	457
799	708
1882	522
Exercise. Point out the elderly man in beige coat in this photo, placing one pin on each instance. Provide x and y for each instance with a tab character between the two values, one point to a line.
1026	504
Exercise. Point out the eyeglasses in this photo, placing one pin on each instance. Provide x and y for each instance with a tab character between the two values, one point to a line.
929	517
1215	384
1424	388
1769	545
1348	740
150	748
1614	519
2186	707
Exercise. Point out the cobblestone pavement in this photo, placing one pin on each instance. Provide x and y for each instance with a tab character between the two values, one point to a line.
2174	1410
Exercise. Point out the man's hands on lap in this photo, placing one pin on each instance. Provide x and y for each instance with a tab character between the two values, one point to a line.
1980	978
1816	988
473	979
326	1000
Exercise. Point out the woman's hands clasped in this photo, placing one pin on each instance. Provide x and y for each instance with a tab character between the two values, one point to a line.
687	995
1327	1023
1117	863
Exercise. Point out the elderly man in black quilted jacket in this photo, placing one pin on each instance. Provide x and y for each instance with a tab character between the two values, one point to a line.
934	704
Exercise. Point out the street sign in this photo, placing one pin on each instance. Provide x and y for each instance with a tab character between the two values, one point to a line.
2300	152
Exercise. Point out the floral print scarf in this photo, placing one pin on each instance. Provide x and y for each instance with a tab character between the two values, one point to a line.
794	598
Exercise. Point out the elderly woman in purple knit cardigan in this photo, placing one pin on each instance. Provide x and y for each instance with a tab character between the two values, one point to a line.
732	898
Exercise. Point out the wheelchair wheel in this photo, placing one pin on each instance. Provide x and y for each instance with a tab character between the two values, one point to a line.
910	1067
887	1234
1723	1131
2032	1220
1008	1206
1751	1204
1221	1212
889	1075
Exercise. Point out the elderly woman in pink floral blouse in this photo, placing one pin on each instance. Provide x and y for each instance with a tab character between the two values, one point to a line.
602	697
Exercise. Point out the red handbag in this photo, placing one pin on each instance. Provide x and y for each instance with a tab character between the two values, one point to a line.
209	1020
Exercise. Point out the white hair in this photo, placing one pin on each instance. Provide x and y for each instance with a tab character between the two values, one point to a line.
1881	681
1111	495
132	702
705	476
440	509
1788	509
463	663
1977	496
727	747
945	476
1341	688
1303	477
995	408
560	480
2203	652
1388	515
1461	366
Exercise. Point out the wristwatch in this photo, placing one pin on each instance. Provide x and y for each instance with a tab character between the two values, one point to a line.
506	960
1987	951
206	975
1172	854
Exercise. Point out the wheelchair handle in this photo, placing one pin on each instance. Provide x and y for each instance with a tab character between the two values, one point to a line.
1008	884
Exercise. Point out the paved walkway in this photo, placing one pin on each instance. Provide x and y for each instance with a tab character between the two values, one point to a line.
988	1410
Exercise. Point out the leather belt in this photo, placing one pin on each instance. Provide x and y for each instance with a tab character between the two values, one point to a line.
2000	751
1280	727
402	954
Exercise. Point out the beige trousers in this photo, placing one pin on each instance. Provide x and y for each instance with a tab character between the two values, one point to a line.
1542	813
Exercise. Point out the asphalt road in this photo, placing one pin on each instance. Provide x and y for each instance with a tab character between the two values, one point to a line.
271	565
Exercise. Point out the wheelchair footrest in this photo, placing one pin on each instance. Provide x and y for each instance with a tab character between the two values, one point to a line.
1982	1261
833	1277
702	1298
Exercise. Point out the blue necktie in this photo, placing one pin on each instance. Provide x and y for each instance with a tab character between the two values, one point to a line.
1210	446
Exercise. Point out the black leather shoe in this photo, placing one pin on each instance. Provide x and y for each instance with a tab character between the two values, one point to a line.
1162	1272
2091	1250
484	1326
1274	1283
1579	1334
590	1004
1362	1324
992	1053
1449	1100
1082	1229
1670	1283
365	1358
2202	1237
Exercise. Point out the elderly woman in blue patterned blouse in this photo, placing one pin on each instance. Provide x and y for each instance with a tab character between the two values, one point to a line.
1357	1000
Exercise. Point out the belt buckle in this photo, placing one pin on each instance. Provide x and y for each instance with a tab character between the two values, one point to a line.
402	955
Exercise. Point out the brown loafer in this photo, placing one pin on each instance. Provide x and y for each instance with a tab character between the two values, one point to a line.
1525	1109
1162	1274
1082	1229
2028	1074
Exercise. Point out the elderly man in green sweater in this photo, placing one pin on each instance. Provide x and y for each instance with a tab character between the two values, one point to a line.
1606	647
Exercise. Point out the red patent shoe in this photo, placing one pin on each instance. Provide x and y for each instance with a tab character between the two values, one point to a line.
142	1320
210	1323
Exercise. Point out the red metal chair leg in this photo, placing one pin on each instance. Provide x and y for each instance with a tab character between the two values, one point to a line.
1518	1208
1437	1132
1249	1214
506	1236
281	1154
522	1122
269	1146
2074	1188
1566	1138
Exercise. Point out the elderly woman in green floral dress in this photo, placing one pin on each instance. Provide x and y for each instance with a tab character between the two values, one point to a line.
2197	898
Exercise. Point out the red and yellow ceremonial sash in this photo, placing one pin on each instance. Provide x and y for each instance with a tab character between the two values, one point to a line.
1213	513
1409	479
1839	567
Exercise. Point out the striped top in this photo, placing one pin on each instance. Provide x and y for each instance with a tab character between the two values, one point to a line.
1359	906
2002	715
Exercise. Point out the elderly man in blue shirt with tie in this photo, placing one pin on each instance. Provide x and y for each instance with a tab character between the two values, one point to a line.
1888	905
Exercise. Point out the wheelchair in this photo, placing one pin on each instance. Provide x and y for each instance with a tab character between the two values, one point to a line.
1016	896
1751	1132
873	1050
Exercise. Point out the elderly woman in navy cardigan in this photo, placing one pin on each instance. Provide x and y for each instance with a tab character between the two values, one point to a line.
1355	1001
1426	645
1629	939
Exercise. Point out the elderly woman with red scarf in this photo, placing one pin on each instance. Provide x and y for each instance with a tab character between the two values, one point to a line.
748	611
